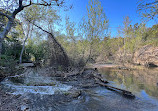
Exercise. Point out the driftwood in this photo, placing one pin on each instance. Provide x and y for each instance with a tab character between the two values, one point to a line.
124	92
76	73
70	75
100	78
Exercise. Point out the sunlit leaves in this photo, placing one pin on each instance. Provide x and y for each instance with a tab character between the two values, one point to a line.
148	9
97	22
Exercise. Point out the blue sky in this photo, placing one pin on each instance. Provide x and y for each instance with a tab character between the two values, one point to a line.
115	11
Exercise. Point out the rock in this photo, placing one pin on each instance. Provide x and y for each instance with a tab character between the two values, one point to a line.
147	56
73	93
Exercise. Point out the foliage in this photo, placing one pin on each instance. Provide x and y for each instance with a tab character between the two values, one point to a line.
3	21
36	51
148	9
94	28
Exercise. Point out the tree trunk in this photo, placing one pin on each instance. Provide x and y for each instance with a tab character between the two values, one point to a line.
4	33
10	22
0	47
23	47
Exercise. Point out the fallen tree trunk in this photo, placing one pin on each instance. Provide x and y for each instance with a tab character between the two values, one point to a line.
124	92
100	78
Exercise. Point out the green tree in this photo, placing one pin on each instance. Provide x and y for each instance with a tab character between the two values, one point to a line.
70	33
17	6
39	15
95	27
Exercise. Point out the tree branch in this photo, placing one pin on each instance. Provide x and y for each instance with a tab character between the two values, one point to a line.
9	17
16	11
43	4
39	27
152	3
38	4
147	4
20	3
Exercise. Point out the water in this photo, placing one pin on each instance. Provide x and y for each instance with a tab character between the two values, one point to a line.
40	90
142	83
33	83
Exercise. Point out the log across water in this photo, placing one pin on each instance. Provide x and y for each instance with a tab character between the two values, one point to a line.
124	92
99	80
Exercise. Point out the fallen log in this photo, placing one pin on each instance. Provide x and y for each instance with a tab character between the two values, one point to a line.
76	73
73	74
124	92
99	77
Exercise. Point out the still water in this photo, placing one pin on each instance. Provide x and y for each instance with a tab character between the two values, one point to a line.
142	83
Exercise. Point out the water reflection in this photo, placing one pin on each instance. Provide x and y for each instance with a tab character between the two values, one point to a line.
136	81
